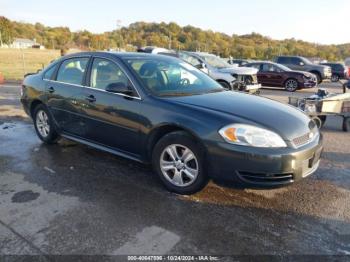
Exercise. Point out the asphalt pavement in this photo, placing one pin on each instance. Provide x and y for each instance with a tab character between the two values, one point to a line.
70	199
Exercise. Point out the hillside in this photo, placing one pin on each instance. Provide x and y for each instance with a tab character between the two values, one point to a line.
253	45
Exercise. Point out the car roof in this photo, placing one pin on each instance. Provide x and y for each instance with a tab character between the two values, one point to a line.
122	55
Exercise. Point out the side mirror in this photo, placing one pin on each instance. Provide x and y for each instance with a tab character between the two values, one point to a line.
119	88
301	63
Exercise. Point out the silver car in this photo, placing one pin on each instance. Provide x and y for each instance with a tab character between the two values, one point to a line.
229	76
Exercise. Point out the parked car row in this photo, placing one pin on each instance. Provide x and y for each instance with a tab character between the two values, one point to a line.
230	77
288	72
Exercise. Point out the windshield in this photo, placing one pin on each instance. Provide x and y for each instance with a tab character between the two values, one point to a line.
215	61
172	77
284	68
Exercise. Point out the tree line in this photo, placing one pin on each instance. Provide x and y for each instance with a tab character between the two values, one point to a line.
170	35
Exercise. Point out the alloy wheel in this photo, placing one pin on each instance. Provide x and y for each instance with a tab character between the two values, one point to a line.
291	85
179	165
42	123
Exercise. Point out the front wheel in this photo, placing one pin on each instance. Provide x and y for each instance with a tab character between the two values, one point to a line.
179	163
44	125
335	78
291	85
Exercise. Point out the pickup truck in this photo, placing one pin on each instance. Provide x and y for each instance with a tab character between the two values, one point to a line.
303	64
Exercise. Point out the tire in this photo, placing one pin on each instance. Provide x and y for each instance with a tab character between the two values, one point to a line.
291	85
323	120
179	175
346	124
225	85
318	77
318	122
335	78
44	125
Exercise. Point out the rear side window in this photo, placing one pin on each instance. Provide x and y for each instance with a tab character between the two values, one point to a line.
49	73
72	71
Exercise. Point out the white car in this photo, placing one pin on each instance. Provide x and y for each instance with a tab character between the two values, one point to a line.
229	76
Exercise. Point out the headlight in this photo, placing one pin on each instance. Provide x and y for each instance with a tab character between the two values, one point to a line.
247	135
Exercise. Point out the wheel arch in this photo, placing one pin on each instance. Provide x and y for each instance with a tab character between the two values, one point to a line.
158	132
33	105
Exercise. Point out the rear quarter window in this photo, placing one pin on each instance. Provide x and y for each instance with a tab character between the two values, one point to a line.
48	74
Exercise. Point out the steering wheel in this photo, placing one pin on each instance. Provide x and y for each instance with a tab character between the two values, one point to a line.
184	82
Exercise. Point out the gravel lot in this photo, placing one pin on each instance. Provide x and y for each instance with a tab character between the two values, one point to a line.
74	200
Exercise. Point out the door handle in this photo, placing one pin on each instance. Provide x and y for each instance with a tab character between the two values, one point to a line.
51	90
90	98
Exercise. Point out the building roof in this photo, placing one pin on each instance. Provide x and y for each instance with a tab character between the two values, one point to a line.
24	41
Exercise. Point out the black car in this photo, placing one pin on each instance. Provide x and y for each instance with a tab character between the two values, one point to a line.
339	71
160	110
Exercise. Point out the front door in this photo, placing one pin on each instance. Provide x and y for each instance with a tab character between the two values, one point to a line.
65	95
112	119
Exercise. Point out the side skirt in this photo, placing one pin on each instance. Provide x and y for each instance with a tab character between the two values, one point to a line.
104	148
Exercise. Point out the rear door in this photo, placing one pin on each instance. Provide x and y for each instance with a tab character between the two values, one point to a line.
65	98
112	119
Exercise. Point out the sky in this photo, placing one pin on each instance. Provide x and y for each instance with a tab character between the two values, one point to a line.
317	21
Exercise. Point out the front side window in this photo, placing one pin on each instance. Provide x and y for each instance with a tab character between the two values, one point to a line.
105	73
283	60
172	77
72	71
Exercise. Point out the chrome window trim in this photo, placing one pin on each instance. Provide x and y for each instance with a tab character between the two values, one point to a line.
133	97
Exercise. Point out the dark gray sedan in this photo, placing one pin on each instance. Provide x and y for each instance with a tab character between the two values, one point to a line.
161	110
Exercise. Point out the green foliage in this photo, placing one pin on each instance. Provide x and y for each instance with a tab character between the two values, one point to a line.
138	34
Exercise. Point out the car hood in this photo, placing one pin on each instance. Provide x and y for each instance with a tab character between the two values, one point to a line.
286	120
239	70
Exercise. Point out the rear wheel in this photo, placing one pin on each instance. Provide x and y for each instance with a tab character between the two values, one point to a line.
44	125
179	163
291	85
318	77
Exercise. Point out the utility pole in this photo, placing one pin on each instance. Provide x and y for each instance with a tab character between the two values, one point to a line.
169	41
119	26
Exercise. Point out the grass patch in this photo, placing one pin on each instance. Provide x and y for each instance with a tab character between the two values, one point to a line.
12	66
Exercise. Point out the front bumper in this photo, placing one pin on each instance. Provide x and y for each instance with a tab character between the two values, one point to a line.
327	75
309	84
264	167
